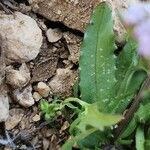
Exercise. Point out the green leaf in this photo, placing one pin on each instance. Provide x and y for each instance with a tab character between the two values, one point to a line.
140	139
93	118
143	113
89	118
110	81
50	109
129	129
96	139
131	85
68	145
97	61
129	76
125	142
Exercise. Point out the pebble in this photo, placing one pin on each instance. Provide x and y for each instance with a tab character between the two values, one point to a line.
43	89
36	96
45	144
65	126
15	116
53	35
61	83
18	78
36	118
21	37
24	96
7	148
4	106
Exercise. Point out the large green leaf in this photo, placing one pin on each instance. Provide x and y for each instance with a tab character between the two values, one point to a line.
97	61
110	81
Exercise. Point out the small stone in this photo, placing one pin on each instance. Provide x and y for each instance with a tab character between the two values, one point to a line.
24	8
23	147
73	44
7	148
42	25
24	96
43	89
65	126
54	35
21	37
45	144
34	1
36	118
36	96
35	8
58	12
61	84
15	116
4	106
35	140
18	78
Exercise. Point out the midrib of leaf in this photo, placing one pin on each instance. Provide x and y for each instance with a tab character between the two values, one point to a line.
96	56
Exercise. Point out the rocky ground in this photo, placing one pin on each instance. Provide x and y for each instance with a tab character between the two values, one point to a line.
39	54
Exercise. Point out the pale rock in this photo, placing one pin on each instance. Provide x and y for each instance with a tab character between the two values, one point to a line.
73	44
21	37
24	96
34	1
4	106
18	78
65	126
36	96
36	118
45	144
61	84
53	35
7	148
43	89
23	147
15	116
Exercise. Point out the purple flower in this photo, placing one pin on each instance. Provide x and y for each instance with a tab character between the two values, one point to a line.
142	34
136	14
138	17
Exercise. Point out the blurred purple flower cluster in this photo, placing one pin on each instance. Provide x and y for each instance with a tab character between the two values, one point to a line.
138	17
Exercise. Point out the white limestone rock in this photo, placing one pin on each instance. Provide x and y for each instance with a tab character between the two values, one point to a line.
21	37
53	35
